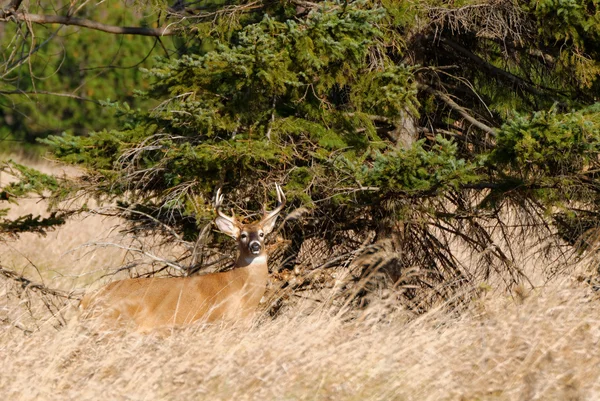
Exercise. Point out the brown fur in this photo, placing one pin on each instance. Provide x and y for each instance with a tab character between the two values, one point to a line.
154	302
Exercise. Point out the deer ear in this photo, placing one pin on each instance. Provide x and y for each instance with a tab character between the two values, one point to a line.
227	227
269	224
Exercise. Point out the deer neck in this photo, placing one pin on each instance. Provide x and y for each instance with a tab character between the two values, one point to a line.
248	260
257	272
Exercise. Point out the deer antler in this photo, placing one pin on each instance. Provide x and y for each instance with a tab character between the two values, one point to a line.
218	204
280	204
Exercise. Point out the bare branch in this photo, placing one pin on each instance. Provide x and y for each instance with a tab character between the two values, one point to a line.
461	110
41	288
69	95
166	227
306	4
516	80
140	251
13	6
372	117
501	19
7	14
181	10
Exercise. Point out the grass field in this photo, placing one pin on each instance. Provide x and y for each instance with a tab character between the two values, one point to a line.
540	344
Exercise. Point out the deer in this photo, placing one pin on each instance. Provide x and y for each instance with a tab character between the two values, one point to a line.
228	296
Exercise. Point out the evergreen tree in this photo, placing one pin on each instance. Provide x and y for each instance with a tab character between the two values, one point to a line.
415	120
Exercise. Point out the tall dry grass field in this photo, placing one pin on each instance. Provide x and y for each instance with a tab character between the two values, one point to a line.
540	344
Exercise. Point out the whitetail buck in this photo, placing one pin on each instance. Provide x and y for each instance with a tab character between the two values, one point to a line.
232	295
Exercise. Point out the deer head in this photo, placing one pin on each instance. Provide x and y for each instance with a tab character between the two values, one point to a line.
250	237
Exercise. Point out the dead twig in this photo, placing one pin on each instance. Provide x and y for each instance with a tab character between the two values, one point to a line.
26	283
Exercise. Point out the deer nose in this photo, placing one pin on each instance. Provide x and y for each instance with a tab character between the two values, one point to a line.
254	247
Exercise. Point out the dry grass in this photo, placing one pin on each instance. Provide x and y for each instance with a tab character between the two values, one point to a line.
527	345
544	347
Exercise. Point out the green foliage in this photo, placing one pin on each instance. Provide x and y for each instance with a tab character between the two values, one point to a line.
570	21
30	224
30	181
387	93
27	181
550	143
315	102
575	26
286	64
71	61
280	97
99	150
420	169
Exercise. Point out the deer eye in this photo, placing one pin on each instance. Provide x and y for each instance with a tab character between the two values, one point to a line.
262	235
244	236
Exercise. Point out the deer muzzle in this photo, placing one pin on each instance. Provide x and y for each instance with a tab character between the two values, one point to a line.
254	247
